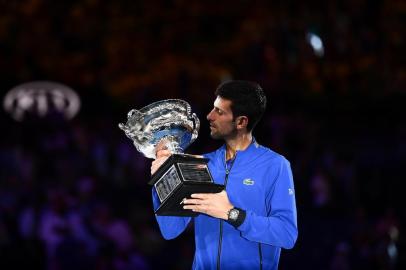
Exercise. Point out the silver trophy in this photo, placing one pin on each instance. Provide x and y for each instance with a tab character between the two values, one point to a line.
171	124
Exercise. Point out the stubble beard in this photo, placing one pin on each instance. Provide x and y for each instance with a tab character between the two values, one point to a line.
214	134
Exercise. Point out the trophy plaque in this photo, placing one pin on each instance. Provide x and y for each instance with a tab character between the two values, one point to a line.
171	124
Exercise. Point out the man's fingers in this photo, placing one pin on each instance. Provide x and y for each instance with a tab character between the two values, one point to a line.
163	153
190	207
194	201
162	145
196	208
157	163
154	167
200	195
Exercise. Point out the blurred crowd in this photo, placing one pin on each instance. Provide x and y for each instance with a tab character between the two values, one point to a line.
142	50
74	194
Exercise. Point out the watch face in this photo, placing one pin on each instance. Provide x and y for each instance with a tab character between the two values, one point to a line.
233	215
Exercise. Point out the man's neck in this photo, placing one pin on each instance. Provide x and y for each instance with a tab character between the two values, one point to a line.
239	143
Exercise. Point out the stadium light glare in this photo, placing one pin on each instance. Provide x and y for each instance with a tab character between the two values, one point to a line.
316	43
41	97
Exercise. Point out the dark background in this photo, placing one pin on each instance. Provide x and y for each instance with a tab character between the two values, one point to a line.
74	193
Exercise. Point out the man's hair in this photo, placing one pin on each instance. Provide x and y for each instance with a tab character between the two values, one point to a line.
247	99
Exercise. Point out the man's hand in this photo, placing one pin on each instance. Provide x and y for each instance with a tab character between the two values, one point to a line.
213	204
161	157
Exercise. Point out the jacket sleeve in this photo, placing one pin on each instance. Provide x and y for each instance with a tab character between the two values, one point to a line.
279	227
170	226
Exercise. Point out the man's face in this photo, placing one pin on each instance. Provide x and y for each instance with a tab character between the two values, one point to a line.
222	125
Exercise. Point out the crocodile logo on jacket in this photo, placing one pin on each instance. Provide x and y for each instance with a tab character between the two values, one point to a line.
248	182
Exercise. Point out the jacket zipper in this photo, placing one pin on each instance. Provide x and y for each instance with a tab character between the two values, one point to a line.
221	221
260	256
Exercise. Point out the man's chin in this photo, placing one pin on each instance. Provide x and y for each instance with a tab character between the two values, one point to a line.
215	136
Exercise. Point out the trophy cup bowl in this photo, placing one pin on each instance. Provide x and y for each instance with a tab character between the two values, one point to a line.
171	124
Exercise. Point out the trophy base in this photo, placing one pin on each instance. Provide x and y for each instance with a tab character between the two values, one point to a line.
174	206
180	176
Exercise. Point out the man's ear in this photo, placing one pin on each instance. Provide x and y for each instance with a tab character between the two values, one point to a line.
241	122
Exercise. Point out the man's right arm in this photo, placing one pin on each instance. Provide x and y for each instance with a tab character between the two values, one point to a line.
170	226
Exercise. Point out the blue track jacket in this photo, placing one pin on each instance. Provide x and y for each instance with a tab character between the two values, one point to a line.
261	183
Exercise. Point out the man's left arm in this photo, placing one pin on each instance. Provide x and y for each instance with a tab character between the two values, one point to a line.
278	228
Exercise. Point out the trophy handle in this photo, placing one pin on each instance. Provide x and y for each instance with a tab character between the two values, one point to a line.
131	117
196	123
134	114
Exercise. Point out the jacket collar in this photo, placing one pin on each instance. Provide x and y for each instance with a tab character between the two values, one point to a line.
240	154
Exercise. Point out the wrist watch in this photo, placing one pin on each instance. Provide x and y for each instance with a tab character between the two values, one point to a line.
236	216
233	214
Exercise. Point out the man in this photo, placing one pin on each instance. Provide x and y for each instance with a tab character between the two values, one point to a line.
246	225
